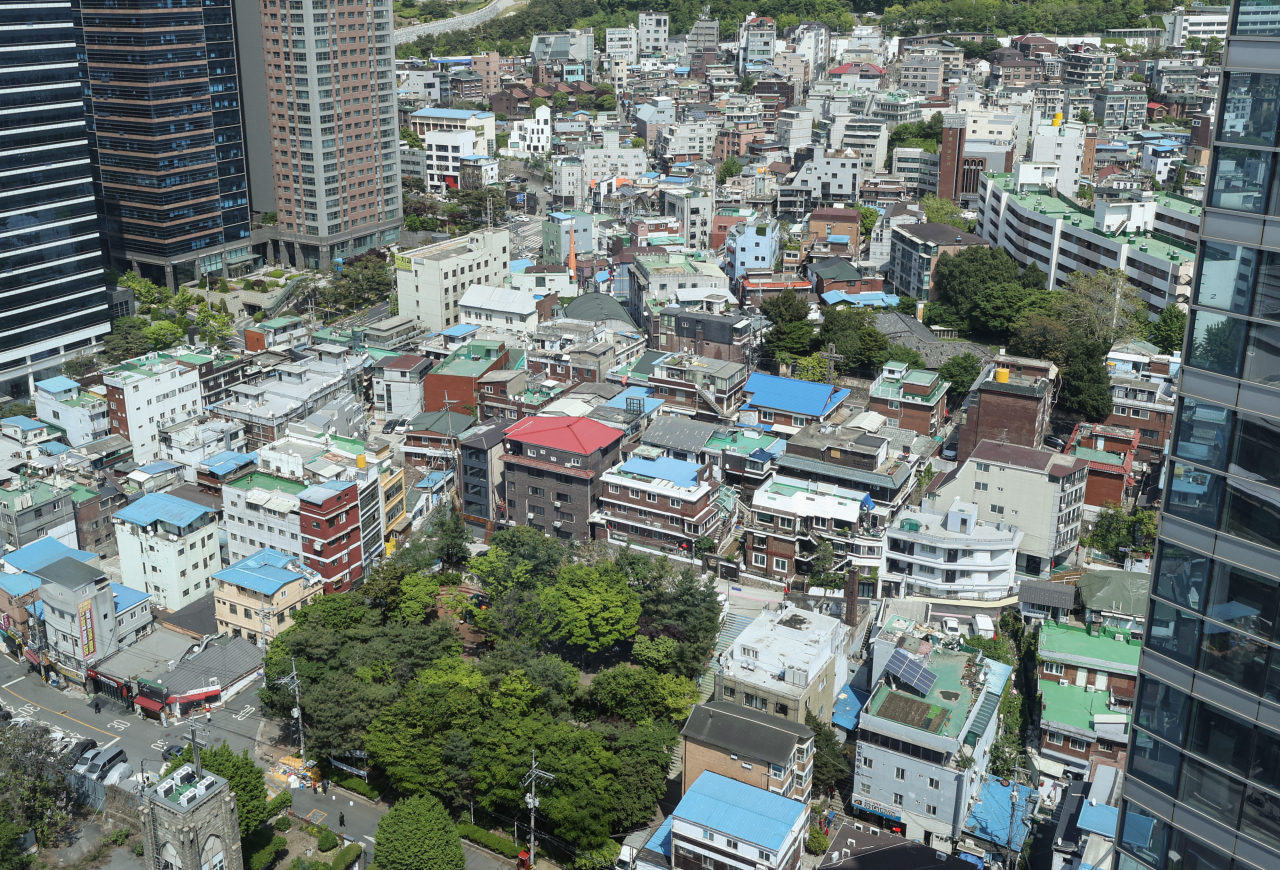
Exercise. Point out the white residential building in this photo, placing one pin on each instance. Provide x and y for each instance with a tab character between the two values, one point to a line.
622	43
757	40
532	135
483	124
147	394
168	547
441	157
690	140
1064	145
191	443
830	177
868	136
917	168
430	280
794	129
654	30
1039	490
555	280
611	159
500	308
1019	212
262	510
952	553
812	41
82	414
1212	21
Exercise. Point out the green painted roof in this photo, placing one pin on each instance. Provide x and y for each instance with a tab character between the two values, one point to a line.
261	480
1072	705
280	322
1070	644
40	493
949	668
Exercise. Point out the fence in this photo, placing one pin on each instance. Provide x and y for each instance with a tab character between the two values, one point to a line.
112	801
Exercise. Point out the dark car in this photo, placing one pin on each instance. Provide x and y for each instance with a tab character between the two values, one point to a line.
1054	442
79	748
169	753
389	427
950	452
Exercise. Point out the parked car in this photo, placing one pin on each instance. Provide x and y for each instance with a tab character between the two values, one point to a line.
103	764
80	748
120	773
169	753
85	760
388	427
951	627
950	452
1054	442
402	426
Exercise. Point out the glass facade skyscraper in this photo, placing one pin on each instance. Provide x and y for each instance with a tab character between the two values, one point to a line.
163	101
1203	791
53	303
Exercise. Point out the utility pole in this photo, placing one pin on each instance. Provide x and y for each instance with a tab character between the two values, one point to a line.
832	358
531	800
1010	856
291	681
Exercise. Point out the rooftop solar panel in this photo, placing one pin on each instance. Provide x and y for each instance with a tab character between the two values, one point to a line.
910	671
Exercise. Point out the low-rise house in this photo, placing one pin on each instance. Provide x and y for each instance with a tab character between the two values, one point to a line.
697	386
662	501
431	440
1095	660
787	405
909	398
20	591
25	431
278	332
257	596
484	500
1045	600
81	414
506	307
952	553
748	746
744	456
1115	602
397	384
924	740
1009	402
1110	452
168	547
32	509
808	649
1079	726
192	443
737	825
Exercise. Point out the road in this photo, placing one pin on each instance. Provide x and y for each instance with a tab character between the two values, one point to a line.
461	22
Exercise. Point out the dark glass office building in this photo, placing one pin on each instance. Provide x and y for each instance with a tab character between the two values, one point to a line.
53	303
168	136
1203	791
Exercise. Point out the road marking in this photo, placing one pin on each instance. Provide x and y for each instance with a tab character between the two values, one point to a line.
11	682
370	839
112	743
73	719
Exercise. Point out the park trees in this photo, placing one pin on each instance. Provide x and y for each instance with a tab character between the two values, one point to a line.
1086	383
961	371
417	834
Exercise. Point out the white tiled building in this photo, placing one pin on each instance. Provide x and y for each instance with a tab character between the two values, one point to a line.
147	394
430	280
951	553
654	30
168	547
500	308
532	135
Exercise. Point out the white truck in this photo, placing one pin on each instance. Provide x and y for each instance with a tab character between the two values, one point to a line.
983	626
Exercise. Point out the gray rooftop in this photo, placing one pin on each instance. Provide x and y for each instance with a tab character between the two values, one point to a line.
745	731
1046	593
678	433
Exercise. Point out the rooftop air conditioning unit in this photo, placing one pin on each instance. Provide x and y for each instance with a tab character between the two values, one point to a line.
1063	683
530	515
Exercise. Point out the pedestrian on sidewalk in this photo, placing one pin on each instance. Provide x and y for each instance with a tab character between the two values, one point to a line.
342	820
97	708
208	714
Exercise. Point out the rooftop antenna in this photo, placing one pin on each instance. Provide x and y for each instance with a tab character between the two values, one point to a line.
196	745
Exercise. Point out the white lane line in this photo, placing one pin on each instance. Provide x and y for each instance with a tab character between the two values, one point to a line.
11	682
370	839
112	743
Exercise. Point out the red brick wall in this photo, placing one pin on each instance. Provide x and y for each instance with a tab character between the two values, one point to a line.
116	410
1001	416
1101	487
917	418
254	339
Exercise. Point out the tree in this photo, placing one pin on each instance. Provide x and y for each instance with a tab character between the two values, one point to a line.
1032	278
560	101
246	779
1170	329
873	349
33	787
1104	306
606	102
526	544
419	593
451	540
829	763
903	354
79	366
868	221
1086	383
1193	43
821	571
592	606
817	842
964	280
642	694
412	139
535	104
414	184
810	368
213	324
637	142
127	339
961	371
746	85
786	307
417	834
164	334
1041	336
943	211
1085	116
730	168
794	339
10	857
1112	530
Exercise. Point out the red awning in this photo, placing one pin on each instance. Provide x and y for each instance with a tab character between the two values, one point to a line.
32	657
148	703
198	695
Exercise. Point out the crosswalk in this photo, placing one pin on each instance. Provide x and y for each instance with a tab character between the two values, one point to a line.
527	239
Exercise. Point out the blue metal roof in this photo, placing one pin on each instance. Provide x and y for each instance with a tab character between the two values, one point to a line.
266	572
561	216
846	710
990	817
660	842
518	266
228	461
432	480
54	448
320	492
838	240
164	507
460	330
127	596
57	385
677	471
861	300
1099	819
740	811
644	394
788	394
18	585
26	424
44	552
159	466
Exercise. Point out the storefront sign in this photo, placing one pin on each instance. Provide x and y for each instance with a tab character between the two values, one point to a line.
87	645
403	263
348	768
875	807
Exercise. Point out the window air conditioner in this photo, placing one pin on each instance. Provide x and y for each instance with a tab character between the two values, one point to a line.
1063	683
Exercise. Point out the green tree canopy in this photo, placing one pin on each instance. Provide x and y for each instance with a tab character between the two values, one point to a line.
451	540
1104	306
246	779
642	694
961	371
730	168
786	307
417	834
829	763
1086	383
943	211
592	606
794	338
1168	332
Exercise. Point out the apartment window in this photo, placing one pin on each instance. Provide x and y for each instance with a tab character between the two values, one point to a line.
749	653
1054	668
900	773
675	502
934	784
708	836
731	844
897	800
1053	738
931	809
759	560
779	564
730	691
980	486
536	490
651	496
756	701
776	771
865	788
867	762
1078	745
613	488
765	856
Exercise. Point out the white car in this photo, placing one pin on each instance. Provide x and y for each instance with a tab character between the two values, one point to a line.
951	627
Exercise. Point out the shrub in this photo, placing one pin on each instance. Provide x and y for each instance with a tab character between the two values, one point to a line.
258	283
284	823
138	850
202	283
279	803
266	856
346	857
259	316
276	273
349	781
817	842
327	841
481	837
119	836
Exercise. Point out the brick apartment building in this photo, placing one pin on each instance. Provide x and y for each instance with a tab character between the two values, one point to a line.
914	398
1009	402
332	542
827	222
1110	451
715	336
431	440
1104	660
707	388
754	748
659	500
455	382
1079	728
552	471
